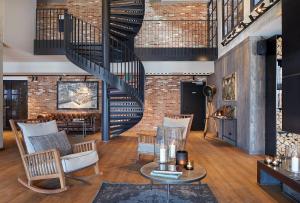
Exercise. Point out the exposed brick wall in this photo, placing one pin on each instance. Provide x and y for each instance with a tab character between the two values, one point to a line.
88	10
52	5
42	95
162	95
157	34
189	32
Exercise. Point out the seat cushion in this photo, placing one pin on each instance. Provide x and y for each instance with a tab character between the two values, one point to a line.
74	162
57	141
181	122
36	129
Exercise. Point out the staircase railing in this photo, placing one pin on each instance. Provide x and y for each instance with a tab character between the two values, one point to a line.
49	33
84	48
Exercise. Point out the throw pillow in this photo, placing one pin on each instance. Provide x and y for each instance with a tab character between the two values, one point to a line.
36	129
57	141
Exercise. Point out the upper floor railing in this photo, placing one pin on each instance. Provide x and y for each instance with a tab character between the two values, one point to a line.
157	39
49	33
174	40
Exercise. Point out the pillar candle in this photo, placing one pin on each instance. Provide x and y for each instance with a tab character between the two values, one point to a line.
163	155
172	151
295	164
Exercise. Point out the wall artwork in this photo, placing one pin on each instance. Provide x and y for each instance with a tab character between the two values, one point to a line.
77	95
229	88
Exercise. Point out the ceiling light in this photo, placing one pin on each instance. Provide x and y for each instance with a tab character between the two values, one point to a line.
261	8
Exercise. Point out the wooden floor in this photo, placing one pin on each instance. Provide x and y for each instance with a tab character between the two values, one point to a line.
231	172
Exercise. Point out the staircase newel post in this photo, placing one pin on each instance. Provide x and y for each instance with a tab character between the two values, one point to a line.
106	65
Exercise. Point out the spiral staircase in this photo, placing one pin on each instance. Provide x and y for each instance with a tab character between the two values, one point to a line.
126	75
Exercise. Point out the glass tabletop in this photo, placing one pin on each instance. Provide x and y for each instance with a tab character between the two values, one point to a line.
188	176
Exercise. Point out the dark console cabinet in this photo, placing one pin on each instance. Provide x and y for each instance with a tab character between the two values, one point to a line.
291	66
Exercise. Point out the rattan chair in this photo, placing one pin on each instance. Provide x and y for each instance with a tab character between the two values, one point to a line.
146	142
47	164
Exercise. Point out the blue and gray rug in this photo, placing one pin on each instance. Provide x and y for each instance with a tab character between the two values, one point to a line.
129	193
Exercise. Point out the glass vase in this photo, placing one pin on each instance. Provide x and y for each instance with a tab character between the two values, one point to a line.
161	146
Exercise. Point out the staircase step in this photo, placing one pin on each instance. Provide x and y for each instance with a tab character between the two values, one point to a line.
127	11
126	113
127	20
124	117
126	3
114	123
123	27
119	34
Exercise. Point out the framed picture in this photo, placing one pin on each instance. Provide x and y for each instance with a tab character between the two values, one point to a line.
229	88
77	95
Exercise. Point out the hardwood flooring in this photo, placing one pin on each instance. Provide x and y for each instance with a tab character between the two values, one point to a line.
231	172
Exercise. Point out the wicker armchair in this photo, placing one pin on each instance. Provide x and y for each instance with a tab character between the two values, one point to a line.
49	164
146	142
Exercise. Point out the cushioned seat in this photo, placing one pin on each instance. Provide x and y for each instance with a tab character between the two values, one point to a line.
74	162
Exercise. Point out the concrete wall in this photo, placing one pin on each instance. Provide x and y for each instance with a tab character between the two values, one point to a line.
250	102
1	71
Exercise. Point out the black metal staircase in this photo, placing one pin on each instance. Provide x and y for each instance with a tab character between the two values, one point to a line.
125	74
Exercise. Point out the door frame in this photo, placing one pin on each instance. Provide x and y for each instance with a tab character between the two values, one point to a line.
27	88
204	81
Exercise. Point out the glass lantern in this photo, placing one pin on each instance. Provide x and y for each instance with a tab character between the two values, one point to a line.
161	146
175	141
292	158
169	140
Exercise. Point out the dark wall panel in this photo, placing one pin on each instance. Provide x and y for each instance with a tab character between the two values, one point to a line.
291	66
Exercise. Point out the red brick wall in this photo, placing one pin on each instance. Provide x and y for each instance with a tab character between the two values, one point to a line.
162	95
42	95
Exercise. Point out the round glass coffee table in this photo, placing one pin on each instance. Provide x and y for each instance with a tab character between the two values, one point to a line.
188	176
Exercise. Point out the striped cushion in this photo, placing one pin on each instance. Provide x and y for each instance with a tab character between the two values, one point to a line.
57	141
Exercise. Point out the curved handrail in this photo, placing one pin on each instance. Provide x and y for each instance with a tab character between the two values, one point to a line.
83	48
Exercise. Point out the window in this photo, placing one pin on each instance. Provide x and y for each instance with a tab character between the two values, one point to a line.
254	3
233	14
212	24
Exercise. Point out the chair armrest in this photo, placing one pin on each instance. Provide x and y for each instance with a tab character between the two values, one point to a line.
84	146
146	138
43	163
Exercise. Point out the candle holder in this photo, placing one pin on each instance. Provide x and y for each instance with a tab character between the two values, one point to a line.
181	158
174	137
190	165
292	158
268	160
161	146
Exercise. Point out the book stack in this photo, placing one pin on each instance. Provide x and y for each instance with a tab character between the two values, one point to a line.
166	174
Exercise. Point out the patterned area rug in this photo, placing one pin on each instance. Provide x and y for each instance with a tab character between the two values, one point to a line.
129	193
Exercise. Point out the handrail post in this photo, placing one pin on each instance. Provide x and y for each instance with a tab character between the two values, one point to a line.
106	65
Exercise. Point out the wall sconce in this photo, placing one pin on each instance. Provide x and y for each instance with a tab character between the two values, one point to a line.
261	8
34	78
259	11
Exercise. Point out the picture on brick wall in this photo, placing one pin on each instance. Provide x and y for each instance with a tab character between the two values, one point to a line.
77	95
229	88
